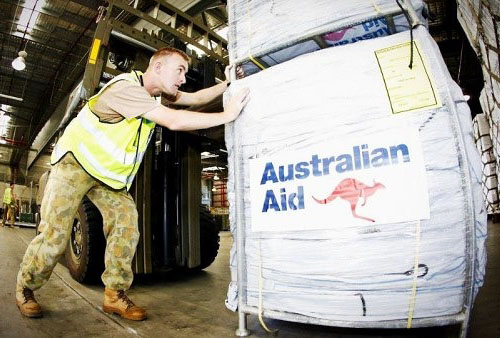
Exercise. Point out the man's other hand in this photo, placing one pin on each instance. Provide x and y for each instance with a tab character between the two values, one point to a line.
237	103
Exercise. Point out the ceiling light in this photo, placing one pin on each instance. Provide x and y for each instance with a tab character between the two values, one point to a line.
213	168
10	97
19	63
207	154
214	189
216	178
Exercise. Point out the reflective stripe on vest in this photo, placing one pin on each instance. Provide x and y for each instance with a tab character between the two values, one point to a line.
110	152
7	196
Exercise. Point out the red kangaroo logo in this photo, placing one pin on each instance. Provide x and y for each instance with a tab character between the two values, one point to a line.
335	36
351	190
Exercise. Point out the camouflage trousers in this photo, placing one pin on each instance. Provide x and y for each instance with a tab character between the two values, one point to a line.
67	184
9	212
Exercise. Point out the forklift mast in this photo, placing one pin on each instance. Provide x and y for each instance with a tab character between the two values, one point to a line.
167	187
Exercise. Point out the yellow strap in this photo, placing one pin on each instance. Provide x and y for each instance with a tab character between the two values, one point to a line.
377	8
415	276
257	63
261	321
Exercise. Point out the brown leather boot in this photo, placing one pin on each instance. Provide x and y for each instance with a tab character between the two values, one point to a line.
118	302
27	304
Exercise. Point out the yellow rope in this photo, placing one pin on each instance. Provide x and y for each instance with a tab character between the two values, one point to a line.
415	276
257	63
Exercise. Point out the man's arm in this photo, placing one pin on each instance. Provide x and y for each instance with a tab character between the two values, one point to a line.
206	95
200	97
175	119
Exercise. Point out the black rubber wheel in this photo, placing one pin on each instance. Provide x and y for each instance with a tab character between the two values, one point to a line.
85	251
209	238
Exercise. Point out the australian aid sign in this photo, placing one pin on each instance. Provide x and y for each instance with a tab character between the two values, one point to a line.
346	182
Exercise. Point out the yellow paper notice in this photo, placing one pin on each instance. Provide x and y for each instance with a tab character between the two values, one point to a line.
408	89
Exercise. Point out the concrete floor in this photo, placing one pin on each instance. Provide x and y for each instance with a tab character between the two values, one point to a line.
190	305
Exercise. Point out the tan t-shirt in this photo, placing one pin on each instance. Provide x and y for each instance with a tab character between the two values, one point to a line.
123	99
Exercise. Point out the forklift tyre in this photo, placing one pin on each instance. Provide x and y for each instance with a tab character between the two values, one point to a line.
209	238
85	251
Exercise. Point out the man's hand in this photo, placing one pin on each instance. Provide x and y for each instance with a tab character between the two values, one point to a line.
237	103
240	73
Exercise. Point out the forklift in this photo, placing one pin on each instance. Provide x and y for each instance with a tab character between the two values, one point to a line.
176	231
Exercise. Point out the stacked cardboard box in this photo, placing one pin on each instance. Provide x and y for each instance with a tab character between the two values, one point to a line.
480	20
485	148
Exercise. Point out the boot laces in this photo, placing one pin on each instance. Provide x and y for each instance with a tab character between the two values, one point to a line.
123	296
28	295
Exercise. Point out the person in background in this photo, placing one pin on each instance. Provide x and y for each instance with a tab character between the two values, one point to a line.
9	210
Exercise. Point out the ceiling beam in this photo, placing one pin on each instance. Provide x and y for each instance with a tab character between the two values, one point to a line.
42	43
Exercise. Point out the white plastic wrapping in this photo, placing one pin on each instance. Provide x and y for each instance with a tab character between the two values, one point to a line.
263	28
362	272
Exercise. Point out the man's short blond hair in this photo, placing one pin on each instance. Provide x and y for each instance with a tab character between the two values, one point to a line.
166	51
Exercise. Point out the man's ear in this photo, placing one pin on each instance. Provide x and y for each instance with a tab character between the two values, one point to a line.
157	67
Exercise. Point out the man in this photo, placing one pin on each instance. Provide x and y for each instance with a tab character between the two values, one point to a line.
98	156
9	200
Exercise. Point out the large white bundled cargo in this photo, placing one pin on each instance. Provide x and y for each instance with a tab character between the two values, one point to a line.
355	188
279	30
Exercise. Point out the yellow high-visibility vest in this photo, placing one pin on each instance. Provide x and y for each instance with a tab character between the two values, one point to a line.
110	152
7	196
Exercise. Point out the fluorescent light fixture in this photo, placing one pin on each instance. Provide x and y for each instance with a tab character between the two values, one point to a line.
5	96
213	168
19	63
4	119
207	154
4	122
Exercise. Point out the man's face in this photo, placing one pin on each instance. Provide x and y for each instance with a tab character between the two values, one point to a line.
173	73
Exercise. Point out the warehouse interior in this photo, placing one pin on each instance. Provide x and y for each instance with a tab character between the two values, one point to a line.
55	40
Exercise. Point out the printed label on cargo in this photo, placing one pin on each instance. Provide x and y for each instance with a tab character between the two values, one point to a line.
347	182
370	29
409	89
